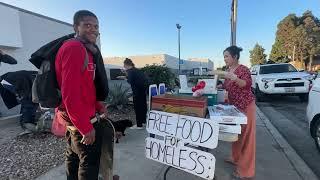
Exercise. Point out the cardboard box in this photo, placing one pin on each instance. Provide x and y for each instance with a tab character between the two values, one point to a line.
227	114
235	129
179	104
228	137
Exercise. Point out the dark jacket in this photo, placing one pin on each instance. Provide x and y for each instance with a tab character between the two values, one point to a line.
49	51
7	59
138	81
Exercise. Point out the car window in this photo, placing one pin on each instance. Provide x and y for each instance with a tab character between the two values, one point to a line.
254	69
279	68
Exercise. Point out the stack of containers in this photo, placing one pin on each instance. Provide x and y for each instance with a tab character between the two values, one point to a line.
229	119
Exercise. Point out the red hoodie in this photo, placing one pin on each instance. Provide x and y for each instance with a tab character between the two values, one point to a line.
77	85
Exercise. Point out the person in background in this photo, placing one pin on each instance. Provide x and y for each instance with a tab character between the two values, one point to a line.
238	85
7	95
138	81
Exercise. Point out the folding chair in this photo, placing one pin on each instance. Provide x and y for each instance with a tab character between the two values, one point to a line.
153	91
162	88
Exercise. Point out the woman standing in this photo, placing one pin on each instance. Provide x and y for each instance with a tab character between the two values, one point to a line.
138	82
238	85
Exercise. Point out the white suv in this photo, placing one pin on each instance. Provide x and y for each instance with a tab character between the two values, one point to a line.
313	112
280	79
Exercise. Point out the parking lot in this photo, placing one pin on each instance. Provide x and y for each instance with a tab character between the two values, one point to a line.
288	115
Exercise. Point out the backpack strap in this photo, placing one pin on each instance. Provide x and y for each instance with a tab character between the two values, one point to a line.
86	61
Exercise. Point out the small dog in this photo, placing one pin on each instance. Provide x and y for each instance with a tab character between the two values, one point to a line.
121	126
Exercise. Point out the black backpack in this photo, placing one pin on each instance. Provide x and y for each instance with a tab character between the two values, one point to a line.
45	89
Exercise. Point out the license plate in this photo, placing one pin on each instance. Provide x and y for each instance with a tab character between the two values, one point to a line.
289	90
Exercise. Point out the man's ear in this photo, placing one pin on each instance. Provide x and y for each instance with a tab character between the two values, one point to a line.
75	27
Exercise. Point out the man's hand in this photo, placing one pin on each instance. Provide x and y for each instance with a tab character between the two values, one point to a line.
104	113
89	138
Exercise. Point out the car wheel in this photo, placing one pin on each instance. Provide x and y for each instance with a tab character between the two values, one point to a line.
316	129
259	94
303	97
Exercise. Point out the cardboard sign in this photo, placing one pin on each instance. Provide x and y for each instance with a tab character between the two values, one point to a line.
191	160
193	130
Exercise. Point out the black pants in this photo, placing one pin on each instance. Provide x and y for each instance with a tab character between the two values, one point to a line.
28	111
83	161
140	108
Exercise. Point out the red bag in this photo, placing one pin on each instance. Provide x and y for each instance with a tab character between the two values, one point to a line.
58	127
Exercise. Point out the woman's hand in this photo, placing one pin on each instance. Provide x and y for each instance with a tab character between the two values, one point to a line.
231	76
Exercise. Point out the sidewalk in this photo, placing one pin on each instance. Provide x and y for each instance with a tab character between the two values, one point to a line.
272	162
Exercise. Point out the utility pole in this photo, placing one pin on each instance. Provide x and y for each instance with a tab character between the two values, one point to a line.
234	12
294	52
179	27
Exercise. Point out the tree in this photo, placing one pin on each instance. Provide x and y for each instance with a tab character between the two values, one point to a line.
284	42
297	39
278	53
312	27
257	55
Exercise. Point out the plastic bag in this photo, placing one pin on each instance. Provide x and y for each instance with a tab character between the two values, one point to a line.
58	127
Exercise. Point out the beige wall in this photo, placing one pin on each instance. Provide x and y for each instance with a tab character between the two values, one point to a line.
170	61
139	61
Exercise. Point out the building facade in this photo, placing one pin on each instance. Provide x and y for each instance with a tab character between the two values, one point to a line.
186	66
23	32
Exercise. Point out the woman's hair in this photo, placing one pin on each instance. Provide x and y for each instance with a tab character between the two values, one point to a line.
234	51
128	62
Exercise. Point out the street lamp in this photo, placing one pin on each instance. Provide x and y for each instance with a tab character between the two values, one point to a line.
179	27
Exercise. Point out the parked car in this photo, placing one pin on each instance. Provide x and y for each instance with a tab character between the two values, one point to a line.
283	79
313	112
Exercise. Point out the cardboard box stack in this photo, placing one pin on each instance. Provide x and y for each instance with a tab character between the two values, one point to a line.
229	119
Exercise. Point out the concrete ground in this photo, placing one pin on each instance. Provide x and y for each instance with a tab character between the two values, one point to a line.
275	160
288	115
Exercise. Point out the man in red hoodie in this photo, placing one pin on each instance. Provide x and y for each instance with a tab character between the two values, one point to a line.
75	72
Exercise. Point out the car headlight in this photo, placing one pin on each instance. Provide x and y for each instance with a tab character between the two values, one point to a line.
308	77
267	79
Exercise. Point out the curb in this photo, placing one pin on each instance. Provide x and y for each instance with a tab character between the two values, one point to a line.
296	161
9	119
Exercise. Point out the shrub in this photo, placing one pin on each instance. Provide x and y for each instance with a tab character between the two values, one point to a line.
157	74
118	96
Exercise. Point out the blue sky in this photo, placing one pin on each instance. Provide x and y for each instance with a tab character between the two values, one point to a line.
138	27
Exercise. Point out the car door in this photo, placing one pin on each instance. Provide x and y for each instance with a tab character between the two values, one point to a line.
254	73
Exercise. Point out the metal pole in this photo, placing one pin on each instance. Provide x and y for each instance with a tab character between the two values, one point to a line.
234	12
294	52
179	48
231	22
179	27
